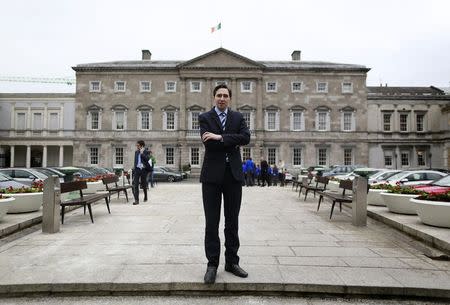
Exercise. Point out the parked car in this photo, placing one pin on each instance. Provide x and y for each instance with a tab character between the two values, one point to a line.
317	170
71	171
340	170
413	177
50	172
359	172
439	186
169	169
163	174
24	175
96	171
6	181
383	175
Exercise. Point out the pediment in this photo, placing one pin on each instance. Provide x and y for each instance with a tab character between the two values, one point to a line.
246	108
219	59
170	108
195	107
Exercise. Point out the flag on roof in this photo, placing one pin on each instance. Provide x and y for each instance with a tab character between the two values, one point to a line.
216	28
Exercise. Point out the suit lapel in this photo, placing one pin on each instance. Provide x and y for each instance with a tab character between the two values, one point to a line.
229	119
215	117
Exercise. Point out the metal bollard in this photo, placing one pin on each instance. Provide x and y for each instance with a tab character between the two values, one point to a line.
51	211
359	203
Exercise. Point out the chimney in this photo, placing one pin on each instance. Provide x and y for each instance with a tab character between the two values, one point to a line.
296	55
146	55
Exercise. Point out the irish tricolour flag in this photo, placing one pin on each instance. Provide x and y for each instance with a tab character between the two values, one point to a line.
216	28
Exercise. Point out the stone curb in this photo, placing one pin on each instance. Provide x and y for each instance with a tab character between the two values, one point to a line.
191	289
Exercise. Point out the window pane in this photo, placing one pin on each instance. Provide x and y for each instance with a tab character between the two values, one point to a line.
194	121
348	156
94	155
272	156
170	155
297	156
21	123
405	159
297	117
120	119
195	156
119	155
271	120
421	158
296	87
348	121
247	116
403	122
322	156
145	120
246	153
387	122
419	122
53	121
37	121
170	120
322	124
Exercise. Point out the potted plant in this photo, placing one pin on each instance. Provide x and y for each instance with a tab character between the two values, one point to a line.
5	204
433	209
397	199
27	199
94	184
374	194
333	184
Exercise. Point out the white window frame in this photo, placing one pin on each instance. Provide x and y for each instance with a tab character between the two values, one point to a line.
405	152
244	152
383	122
150	119
301	156
89	120
400	114
114	120
388	153
166	86
116	86
191	120
293	90
325	90
243	83
57	121
327	155
91	150
277	120
218	82
423	153
352	121
352	156
116	156
327	120
199	86
268	156
175	115
166	155
423	122
141	86
302	120
271	90
37	129
91	86
347	87
251	122
16	123
191	156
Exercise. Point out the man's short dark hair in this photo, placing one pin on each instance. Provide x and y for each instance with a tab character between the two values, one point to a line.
221	86
141	142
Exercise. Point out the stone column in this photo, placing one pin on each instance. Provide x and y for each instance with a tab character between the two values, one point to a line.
28	158
44	156
359	203
51	207
61	155
12	155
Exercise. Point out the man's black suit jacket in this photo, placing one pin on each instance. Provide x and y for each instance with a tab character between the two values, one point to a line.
236	134
144	159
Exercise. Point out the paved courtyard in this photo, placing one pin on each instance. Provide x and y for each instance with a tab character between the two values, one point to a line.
286	246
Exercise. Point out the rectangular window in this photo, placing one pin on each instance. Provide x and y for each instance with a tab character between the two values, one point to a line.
119	155
93	155
196	86
37	122
171	86
347	87
297	120
420	118
322	156
95	86
421	158
348	116
404	156
170	157
322	87
297	156
94	120
247	118
348	156
272	156
194	120
119	86
387	121
322	121
145	86
21	123
388	158
145	120
246	86
170	120
120	120
246	153
271	120
271	87
221	82
195	156
403	122
53	121
296	87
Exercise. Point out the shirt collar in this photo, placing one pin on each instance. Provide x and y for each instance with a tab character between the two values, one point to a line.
219	112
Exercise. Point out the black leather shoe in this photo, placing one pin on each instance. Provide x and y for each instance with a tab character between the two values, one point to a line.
145	199
236	270
136	202
210	275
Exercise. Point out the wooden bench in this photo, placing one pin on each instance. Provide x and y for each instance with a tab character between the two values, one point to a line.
82	200
116	188
320	186
337	197
304	183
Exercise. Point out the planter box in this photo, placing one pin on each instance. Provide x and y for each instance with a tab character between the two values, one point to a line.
374	197
399	203
94	187
5	204
434	213
333	186
25	202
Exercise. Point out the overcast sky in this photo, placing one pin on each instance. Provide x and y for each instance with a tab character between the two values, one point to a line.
404	42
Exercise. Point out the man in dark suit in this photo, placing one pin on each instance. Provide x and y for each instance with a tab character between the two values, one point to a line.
223	131
141	169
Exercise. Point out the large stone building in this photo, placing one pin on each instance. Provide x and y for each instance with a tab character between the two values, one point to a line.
300	113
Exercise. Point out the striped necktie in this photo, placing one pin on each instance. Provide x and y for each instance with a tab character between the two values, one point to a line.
223	119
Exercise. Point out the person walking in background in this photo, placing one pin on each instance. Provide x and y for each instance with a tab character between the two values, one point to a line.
141	169
223	131
152	162
258	174
274	175
249	172
265	173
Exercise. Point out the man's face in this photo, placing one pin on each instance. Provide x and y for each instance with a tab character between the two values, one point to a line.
222	99
138	146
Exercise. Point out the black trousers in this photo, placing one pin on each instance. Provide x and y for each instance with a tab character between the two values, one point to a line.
212	198
139	178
